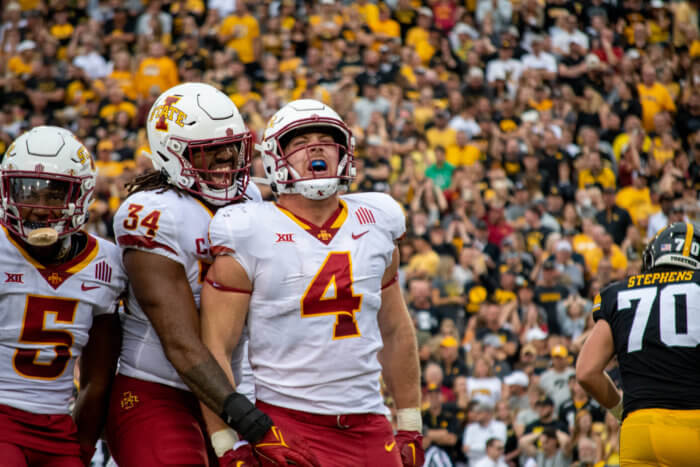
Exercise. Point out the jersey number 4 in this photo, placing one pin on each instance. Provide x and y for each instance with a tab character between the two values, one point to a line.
673	304
35	334
335	275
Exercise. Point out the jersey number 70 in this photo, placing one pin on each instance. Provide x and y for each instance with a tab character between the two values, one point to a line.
673	303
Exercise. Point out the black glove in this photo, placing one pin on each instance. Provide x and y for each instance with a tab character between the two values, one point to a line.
250	422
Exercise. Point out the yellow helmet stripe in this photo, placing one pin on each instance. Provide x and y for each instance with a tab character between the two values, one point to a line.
689	230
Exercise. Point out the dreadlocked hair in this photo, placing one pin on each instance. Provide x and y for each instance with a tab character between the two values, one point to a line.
152	180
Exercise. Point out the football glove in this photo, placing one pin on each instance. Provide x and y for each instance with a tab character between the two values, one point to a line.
232	452
241	457
276	449
410	445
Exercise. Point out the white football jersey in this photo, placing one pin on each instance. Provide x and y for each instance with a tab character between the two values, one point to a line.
46	320
175	226
312	321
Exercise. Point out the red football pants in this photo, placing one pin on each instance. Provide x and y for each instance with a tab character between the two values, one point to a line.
29	439
340	441
15	456
150	424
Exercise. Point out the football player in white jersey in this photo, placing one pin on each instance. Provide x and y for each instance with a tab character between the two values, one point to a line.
59	295
201	153
314	275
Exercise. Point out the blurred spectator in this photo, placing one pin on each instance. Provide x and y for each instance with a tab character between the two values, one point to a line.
441	171
660	219
433	376
654	97
494	454
517	384
551	453
498	12
549	292
547	417
477	433
155	22
494	318
447	291
156	72
452	364
240	32
555	381
424	262
482	385
615	219
440	426
580	402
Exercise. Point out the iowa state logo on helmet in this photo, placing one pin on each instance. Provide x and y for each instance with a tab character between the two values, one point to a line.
167	112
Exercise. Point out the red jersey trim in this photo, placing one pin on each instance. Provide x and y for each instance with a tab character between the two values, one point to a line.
143	242
219	250
224	288
391	281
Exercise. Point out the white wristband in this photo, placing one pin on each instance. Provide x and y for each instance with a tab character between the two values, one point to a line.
409	420
223	441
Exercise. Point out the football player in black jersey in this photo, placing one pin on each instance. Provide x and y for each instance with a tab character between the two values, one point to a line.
651	322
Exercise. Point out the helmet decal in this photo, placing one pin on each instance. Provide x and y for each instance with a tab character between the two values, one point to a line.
167	112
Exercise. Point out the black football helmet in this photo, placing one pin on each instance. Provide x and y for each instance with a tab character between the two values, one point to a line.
676	246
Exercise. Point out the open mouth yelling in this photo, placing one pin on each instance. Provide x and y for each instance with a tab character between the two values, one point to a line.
220	174
318	167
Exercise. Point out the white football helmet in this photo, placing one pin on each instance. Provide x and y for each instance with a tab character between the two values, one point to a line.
192	121
46	168
300	116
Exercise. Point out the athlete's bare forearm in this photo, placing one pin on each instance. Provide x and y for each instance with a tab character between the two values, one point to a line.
208	381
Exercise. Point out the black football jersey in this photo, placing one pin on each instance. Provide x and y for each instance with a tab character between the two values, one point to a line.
655	322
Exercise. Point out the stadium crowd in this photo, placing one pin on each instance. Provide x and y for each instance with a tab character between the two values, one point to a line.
535	146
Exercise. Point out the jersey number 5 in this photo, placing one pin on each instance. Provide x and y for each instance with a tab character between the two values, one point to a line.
673	304
335	275
34	334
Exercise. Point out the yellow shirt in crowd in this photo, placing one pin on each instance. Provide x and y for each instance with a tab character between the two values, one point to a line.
444	138
425	262
606	178
247	30
636	201
126	81
654	99
241	99
387	27
17	66
368	11
618	260
462	156
109	111
161	72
